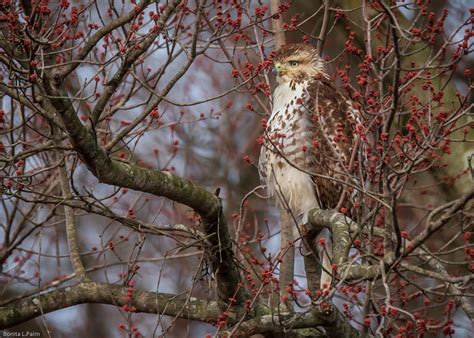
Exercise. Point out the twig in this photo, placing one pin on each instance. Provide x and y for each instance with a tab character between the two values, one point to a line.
71	230
324	28
277	24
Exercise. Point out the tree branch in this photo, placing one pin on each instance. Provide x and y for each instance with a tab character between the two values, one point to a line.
324	28
435	226
277	24
182	305
334	323
130	59
69	219
287	254
103	31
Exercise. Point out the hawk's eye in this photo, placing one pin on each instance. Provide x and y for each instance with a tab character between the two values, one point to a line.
294	63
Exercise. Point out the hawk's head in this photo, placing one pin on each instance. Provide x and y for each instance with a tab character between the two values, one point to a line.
298	62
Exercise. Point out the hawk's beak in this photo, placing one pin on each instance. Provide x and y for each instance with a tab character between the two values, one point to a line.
278	69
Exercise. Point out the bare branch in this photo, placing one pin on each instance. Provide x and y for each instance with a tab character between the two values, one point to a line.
277	23
71	230
118	295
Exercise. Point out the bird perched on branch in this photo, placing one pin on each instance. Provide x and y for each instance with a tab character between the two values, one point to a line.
308	140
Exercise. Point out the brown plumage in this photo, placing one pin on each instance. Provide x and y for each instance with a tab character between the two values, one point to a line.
309	135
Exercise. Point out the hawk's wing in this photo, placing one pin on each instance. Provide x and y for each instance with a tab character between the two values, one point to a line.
333	119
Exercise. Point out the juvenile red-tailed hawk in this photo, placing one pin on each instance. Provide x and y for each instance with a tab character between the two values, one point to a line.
308	139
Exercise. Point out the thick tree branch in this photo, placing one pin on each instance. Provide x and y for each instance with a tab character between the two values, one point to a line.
182	305
334	323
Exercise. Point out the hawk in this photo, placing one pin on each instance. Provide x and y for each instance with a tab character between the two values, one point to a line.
308	139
